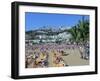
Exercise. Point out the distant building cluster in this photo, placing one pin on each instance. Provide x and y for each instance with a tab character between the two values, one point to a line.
47	36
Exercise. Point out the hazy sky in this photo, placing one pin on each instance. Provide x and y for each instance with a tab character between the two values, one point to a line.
38	20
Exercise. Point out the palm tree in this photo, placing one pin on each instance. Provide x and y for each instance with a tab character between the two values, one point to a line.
74	34
80	32
83	30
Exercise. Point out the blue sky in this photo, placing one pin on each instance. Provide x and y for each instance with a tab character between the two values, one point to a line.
37	20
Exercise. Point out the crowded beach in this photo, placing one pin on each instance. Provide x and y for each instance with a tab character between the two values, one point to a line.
55	55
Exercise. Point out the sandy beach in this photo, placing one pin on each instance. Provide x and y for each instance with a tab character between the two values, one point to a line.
71	57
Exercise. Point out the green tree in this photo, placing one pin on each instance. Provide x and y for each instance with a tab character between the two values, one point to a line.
80	32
